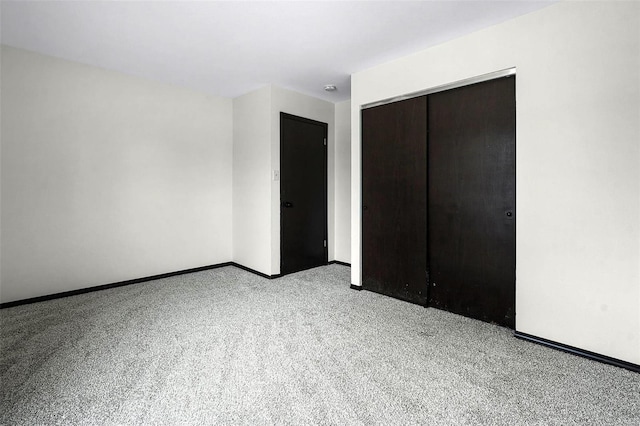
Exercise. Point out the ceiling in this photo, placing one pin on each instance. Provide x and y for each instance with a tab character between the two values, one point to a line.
230	48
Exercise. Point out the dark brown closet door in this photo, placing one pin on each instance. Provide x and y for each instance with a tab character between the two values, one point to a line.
471	171
394	200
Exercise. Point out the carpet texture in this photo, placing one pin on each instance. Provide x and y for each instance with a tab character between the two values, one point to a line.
225	346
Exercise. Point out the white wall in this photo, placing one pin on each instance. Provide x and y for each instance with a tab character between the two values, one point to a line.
107	177
342	166
252	180
578	162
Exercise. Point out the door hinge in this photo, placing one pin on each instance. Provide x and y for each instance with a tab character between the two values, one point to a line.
325	141
325	243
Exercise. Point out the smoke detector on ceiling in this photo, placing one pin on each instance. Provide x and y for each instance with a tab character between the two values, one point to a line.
330	87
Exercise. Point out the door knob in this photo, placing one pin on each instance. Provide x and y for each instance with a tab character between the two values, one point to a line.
287	204
509	213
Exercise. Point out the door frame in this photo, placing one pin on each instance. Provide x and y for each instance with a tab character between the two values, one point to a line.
454	85
284	116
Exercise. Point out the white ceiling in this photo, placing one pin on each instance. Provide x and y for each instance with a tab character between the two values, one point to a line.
230	48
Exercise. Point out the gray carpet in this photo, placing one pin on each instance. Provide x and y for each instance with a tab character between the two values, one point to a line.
227	347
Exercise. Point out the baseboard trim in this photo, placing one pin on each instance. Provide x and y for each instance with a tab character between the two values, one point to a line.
253	271
579	352
355	287
108	286
129	282
337	262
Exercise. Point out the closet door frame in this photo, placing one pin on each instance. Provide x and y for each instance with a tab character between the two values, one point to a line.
453	85
460	83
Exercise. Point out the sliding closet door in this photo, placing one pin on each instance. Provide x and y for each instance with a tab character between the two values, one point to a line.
471	172
394	227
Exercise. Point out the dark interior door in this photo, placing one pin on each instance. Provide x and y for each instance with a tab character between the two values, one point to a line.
303	193
394	224
471	200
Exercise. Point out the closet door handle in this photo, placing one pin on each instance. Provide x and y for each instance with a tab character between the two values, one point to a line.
287	204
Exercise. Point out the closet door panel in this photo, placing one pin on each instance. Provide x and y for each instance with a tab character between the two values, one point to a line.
471	173
394	227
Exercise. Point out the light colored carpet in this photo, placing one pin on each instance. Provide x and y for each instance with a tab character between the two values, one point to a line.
227	347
